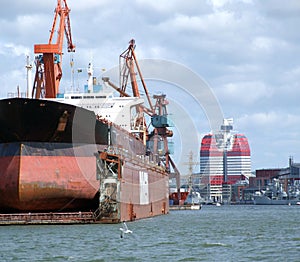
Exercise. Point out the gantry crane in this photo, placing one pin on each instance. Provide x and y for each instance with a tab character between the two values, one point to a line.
48	63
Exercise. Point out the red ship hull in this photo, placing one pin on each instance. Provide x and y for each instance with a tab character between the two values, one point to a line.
132	199
50	165
143	189
47	182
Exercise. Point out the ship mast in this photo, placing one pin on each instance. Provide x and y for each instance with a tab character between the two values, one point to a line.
29	77
48	63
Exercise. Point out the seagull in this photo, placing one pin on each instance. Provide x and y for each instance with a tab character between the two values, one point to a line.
125	230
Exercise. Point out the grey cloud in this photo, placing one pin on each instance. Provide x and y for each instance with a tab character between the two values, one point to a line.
233	45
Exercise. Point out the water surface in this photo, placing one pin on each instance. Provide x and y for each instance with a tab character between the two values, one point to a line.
226	233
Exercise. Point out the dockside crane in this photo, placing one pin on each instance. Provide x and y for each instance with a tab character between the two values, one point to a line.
158	112
127	69
48	63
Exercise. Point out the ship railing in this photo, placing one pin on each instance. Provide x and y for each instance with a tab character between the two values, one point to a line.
16	94
141	160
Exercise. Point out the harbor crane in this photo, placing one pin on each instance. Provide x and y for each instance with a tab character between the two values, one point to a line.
158	112
48	63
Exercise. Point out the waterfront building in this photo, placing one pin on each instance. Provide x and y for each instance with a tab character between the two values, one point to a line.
288	177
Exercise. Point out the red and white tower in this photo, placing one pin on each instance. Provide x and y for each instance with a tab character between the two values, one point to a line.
224	159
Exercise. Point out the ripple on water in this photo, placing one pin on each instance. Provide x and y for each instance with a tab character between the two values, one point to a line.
217	244
229	233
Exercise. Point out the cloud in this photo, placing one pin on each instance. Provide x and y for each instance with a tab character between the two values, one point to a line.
273	137
292	75
244	93
270	123
14	50
276	9
248	52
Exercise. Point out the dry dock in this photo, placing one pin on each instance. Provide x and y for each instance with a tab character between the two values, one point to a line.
48	218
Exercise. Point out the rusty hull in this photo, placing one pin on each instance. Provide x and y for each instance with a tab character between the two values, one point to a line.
47	182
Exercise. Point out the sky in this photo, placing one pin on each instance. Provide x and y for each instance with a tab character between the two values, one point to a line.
243	53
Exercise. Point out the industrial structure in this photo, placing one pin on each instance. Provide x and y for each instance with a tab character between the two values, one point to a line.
275	186
225	160
83	152
48	62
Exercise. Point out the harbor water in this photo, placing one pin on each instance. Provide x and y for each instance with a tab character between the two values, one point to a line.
225	233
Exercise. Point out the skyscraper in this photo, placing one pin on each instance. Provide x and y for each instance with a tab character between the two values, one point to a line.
224	160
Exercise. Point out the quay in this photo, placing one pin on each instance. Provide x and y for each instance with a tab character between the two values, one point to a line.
48	218
185	207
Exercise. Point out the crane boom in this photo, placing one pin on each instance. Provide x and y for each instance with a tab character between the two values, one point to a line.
48	69
127	68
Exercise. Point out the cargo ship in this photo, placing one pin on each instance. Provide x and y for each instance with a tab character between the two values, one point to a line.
83	151
48	162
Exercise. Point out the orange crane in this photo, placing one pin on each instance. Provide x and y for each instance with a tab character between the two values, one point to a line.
48	65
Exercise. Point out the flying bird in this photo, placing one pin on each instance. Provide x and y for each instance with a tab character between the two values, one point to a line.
124	230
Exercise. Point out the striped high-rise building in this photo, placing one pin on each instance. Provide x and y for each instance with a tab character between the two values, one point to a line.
225	159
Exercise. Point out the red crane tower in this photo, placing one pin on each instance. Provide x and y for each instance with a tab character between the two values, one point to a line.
48	64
